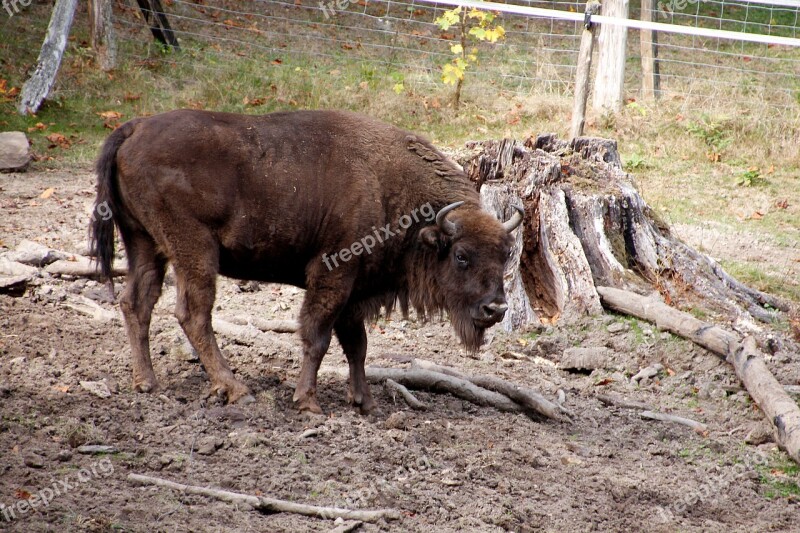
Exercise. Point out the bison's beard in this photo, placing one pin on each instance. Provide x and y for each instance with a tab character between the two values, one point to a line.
470	334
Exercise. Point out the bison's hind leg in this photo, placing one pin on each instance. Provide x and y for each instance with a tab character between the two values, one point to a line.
195	263
352	336
146	268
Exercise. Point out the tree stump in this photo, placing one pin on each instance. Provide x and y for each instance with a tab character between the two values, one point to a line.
586	225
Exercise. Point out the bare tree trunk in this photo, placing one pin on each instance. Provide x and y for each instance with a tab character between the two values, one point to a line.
38	86
104	41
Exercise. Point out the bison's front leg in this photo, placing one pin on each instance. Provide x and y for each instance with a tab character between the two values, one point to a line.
327	292
353	338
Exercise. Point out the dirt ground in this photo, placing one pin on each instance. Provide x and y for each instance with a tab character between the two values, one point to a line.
453	467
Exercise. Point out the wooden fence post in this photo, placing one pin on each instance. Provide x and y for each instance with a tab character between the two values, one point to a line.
610	78
156	19
583	70
649	43
104	42
41	81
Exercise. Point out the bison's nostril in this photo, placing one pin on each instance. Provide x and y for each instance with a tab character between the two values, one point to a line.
494	310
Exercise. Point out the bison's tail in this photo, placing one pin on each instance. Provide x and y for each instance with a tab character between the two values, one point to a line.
107	204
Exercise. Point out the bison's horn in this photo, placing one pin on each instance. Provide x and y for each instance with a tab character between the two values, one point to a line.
449	228
516	219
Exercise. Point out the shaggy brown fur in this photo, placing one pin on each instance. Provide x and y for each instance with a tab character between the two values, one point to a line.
269	198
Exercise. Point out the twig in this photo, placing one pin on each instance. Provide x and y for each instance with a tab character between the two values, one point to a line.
616	401
410	399
699	427
269	505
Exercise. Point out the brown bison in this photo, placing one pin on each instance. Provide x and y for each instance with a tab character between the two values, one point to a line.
359	213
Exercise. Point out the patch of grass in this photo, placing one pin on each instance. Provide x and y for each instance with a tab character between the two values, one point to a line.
755	277
780	478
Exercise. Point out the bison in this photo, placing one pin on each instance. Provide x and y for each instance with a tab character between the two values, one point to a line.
292	198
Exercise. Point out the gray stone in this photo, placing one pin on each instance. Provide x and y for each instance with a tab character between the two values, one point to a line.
35	254
585	358
14	153
13	268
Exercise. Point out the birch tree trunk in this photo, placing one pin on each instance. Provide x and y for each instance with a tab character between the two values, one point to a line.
38	86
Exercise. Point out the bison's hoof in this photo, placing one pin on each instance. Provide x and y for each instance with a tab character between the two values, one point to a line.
362	402
308	405
145	385
233	392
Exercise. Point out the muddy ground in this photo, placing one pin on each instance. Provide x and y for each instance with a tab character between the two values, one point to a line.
453	467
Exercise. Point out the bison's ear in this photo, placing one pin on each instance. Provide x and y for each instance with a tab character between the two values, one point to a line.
432	236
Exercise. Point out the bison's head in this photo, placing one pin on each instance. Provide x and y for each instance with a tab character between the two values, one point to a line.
470	251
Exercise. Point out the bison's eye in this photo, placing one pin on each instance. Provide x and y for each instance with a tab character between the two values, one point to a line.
462	260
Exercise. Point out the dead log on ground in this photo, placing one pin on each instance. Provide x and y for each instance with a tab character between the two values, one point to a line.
782	412
269	505
770	396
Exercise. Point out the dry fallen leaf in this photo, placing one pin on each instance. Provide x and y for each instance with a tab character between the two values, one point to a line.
56	139
110	115
22	494
47	193
61	388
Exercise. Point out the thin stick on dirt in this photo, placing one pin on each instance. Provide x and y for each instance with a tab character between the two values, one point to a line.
616	401
269	505
409	398
762	386
770	396
699	427
527	398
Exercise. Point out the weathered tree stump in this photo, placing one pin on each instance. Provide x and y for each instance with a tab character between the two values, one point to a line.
586	225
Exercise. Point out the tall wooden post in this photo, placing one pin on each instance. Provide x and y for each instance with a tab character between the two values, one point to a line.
104	42
41	81
583	70
649	42
610	78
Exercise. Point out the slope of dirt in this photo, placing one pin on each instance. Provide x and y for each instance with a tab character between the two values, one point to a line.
453	467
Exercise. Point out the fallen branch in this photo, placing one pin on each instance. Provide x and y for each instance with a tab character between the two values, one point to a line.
409	398
438	382
530	400
278	326
762	386
83	267
90	308
699	427
770	396
269	505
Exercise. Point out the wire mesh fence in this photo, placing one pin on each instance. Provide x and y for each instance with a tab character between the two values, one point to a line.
537	56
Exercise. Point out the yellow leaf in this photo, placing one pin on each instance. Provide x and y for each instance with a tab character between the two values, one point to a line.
47	193
451	74
457	49
398	88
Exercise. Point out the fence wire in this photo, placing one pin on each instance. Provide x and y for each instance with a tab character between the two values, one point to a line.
537	55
